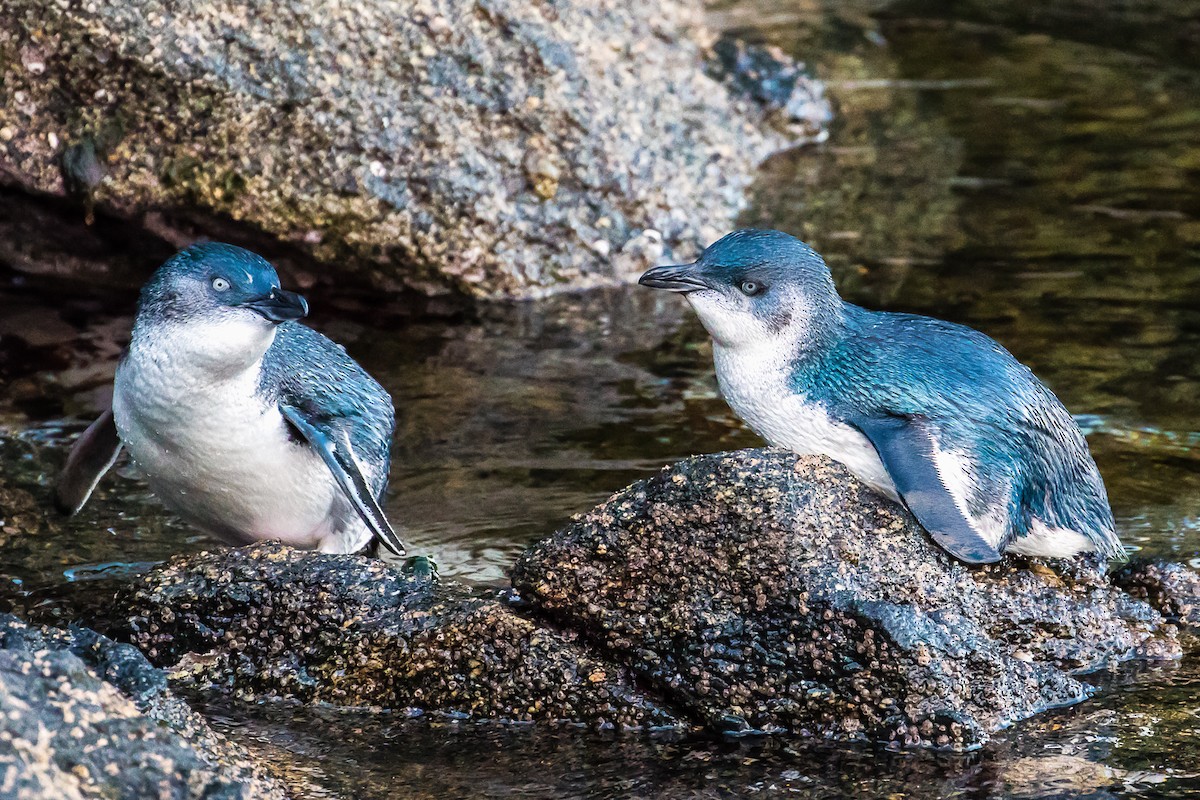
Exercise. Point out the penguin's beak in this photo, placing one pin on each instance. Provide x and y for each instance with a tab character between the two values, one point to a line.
279	306
675	278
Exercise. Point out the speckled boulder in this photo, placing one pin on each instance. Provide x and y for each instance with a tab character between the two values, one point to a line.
757	590
499	147
269	621
84	717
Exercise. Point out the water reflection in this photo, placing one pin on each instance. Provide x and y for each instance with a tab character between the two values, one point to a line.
1109	748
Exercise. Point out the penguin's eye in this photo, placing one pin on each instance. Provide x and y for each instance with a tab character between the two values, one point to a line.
751	288
220	284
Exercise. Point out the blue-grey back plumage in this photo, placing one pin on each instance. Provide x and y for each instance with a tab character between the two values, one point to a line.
305	369
1033	457
932	413
244	421
342	413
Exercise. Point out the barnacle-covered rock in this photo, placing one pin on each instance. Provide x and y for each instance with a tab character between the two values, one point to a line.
759	590
269	621
498	147
1171	588
747	591
82	716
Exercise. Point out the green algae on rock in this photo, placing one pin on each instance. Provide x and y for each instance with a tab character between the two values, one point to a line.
759	590
498	148
269	621
82	716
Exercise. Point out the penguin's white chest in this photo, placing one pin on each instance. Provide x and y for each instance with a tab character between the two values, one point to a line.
219	456
754	382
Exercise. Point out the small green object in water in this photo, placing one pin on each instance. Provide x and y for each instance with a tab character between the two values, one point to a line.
421	567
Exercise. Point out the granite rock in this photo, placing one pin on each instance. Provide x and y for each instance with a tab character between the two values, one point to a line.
267	621
494	147
754	591
762	591
82	716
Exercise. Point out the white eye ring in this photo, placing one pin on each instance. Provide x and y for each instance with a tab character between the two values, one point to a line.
751	288
220	284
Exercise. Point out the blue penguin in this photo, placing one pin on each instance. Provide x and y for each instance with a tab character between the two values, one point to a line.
932	414
244	422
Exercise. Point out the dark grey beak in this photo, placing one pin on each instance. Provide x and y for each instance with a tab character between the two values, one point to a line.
675	278
279	306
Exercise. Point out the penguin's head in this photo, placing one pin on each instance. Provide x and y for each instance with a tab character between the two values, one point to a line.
756	287
219	279
218	303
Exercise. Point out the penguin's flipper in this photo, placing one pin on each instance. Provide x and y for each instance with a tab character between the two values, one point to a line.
91	456
910	455
332	443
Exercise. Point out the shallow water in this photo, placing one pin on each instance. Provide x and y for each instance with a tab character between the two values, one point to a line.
1041	188
1126	742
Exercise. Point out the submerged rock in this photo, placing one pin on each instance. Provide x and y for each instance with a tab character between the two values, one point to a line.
497	147
759	590
771	79
269	621
82	716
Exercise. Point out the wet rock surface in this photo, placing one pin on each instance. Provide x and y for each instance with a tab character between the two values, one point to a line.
772	79
1171	588
499	147
269	621
20	514
745	591
761	591
82	716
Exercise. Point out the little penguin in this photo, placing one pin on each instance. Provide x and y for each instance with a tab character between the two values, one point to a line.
931	414
246	423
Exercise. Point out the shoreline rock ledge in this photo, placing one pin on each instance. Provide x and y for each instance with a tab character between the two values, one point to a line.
498	148
82	716
754	591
